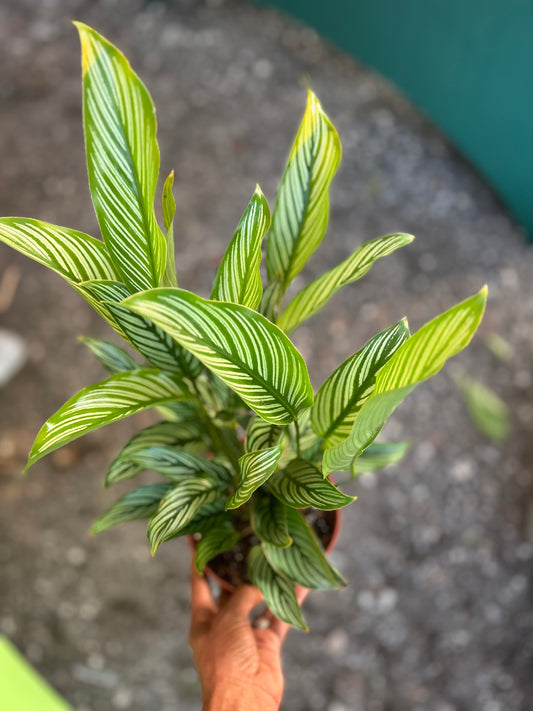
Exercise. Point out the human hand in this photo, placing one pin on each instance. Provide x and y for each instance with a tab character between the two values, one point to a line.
239	664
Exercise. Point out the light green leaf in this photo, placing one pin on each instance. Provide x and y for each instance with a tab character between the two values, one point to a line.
113	399
272	295
177	463
179	507
112	357
303	561
488	412
420	357
169	208
311	299
302	204
122	160
269	521
278	592
217	540
256	468
238	279
379	455
140	503
234	342
163	433
151	341
261	434
301	485
342	395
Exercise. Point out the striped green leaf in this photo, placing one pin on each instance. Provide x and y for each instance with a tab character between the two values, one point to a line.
342	395
269	521
278	592
140	503
151	341
179	507
176	463
169	208
217	540
301	485
238	279
261	434
112	357
122	160
251	355
269	306
488	412
164	433
311	299
119	396
420	357
302	205
256	468
379	455
303	561
207	517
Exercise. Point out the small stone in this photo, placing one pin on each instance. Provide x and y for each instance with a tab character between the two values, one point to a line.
337	642
12	355
76	556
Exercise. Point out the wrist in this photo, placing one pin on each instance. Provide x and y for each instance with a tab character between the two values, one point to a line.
228	697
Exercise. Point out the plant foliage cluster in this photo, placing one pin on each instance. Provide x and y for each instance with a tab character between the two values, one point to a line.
244	446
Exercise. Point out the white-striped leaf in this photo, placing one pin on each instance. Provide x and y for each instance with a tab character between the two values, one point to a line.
261	434
238	278
342	395
311	299
122	160
256	468
151	341
303	561
217	540
141	503
278	592
302	205
179	507
269	521
420	357
379	455
112	357
119	396
251	355
207	517
269	306
301	484
169	208
164	433
176	463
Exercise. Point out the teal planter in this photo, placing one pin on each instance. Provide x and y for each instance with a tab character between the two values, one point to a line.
467	64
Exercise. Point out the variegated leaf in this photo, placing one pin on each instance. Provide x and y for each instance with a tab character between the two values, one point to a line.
112	357
256	468
151	341
420	357
269	521
233	342
303	561
302	205
379	455
311	299
219	539
169	208
278	592
119	396
140	503
238	279
163	433
261	434
301	484
179	507
207	517
175	463
122	160
342	395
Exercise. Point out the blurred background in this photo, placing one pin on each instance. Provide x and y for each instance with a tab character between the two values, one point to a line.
438	549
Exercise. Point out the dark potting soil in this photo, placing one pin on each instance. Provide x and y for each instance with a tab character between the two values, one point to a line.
231	566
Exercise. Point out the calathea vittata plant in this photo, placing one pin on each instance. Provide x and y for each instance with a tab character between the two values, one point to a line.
244	448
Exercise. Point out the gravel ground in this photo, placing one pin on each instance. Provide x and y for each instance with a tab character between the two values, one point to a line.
439	548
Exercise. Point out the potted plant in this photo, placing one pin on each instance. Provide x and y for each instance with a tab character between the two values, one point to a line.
245	450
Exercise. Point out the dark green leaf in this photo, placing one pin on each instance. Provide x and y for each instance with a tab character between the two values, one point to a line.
269	521
112	357
141	503
301	485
